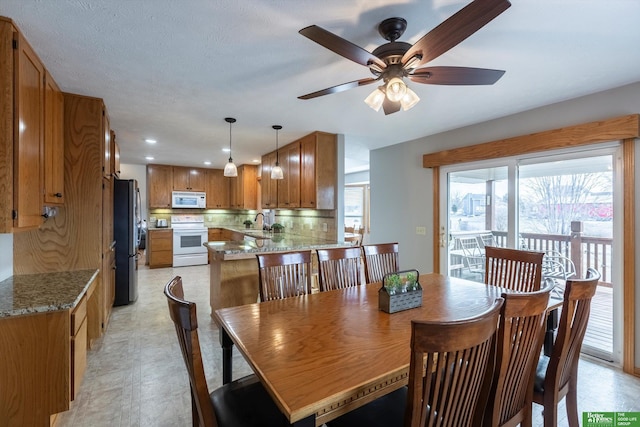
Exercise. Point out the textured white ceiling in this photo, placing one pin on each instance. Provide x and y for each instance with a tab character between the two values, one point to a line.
173	70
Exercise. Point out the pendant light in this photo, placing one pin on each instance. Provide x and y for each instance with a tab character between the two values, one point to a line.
230	168
276	171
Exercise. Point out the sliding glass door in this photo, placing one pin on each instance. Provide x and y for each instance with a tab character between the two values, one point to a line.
562	204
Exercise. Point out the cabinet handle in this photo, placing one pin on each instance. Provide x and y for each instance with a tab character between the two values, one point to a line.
58	194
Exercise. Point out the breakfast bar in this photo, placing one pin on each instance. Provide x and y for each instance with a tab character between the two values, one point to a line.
233	265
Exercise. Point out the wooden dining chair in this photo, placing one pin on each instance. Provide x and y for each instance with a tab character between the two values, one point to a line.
449	376
339	268
240	403
513	269
557	374
520	334
379	260
284	274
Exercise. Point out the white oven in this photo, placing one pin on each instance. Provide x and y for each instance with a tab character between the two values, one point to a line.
189	234
188	199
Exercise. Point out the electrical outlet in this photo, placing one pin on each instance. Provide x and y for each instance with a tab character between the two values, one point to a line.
325	228
421	231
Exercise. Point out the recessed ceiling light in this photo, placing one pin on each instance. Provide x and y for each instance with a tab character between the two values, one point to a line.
207	163
150	141
256	161
149	157
226	150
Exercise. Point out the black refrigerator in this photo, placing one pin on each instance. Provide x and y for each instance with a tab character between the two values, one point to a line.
126	232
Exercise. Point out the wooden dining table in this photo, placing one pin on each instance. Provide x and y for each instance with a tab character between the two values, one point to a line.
322	355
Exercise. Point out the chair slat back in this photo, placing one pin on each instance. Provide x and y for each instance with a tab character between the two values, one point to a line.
183	314
379	260
513	269
448	388
520	334
284	275
563	362
339	268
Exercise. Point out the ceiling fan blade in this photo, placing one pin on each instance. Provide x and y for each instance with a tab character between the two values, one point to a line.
341	46
456	76
390	107
339	88
455	29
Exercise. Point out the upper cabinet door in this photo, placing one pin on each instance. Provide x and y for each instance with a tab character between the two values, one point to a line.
53	143
268	186
197	179
217	189
308	172
115	156
189	179
29	135
159	185
106	130
289	186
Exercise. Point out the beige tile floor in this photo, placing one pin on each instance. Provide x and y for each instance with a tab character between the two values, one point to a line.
136	376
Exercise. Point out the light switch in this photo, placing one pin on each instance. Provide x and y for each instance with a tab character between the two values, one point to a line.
421	231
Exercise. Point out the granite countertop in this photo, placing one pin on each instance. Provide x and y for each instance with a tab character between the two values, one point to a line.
266	242
43	292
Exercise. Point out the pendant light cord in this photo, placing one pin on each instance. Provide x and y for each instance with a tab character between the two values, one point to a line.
230	142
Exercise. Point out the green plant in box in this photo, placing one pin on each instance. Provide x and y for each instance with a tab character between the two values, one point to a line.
393	284
247	223
277	227
411	281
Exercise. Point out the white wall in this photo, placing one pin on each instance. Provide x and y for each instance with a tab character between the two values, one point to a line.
139	173
402	200
6	257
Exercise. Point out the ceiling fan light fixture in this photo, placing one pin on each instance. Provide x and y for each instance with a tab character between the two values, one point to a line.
413	62
409	100
396	89
276	171
375	99
230	169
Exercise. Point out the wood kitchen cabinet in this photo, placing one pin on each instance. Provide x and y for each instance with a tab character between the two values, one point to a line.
289	186
106	146
217	188
310	167
53	143
243	189
78	345
268	186
30	125
189	179
44	354
159	185
160	248
318	171
80	236
22	132
115	156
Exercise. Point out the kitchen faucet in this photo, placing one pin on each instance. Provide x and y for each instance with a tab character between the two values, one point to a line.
265	226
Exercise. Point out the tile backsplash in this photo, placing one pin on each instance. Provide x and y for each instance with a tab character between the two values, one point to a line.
314	223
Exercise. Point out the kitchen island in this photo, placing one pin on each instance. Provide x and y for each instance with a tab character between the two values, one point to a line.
234	268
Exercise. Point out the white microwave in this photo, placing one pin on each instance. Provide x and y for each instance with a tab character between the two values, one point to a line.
188	199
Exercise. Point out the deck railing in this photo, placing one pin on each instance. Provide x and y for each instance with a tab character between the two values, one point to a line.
584	251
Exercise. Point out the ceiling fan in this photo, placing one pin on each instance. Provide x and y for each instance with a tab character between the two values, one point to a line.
393	61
